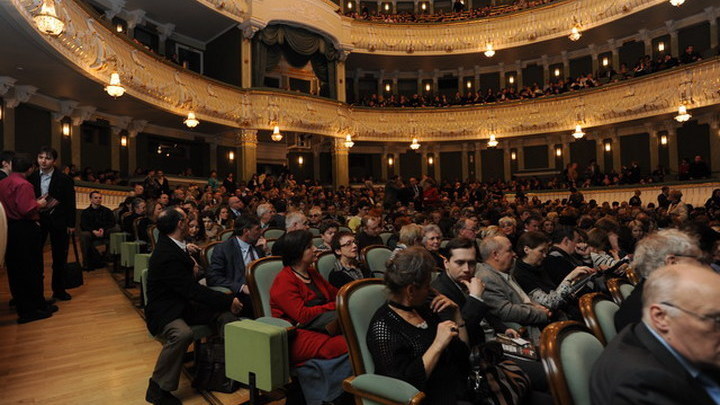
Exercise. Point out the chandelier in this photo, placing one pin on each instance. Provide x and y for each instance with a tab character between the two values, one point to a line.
191	121
492	142
414	145
489	51
677	3
683	115
578	134
47	20
348	141
276	135
115	89
575	32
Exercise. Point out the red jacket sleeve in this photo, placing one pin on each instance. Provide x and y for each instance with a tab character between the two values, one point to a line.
288	296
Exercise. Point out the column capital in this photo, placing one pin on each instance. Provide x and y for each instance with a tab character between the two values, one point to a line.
250	27
21	94
671	27
165	31
247	137
82	114
338	146
135	127
135	17
6	83
115	8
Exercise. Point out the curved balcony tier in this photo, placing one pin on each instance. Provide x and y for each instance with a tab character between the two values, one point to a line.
91	47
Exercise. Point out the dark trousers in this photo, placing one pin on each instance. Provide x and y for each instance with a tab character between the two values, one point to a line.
59	239
91	257
24	262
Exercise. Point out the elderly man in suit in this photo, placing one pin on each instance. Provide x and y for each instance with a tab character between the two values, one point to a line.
175	301
673	355
503	295
58	222
230	259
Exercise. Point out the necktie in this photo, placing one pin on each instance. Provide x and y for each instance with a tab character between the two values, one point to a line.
251	254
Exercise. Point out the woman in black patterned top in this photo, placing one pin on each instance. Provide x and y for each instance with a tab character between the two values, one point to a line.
423	345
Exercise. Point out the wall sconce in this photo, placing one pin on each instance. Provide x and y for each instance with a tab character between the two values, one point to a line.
387	7
428	87
123	141
423	6
511	79
119	28
605	61
390	160
300	160
1	110
469	84
430	160
350	5
558	151
661	46
608	146
663	140
65	128
231	155
557	72
388	87
513	155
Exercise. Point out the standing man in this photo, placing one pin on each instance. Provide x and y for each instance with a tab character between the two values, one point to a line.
95	224
59	221
175	301
6	158
24	246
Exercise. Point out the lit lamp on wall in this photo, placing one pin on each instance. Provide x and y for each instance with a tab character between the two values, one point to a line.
231	155
119	28
605	61
511	79
276	135
557	72
423	6
191	121
663	140
123	141
1	110
428	87
390	160
608	146
47	20
468	84
65	128
558	151
661	46
388	87
513	155
430	159
301	161
349	5
677	3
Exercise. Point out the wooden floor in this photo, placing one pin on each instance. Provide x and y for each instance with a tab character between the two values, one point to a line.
94	350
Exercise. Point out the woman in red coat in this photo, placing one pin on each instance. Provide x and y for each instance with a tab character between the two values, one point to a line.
300	295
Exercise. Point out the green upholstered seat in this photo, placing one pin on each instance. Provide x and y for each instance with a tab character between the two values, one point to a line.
128	250
227	234
317	241
270	243
273	233
345	229
626	290
140	262
357	303
261	274
444	243
326	264
598	311
208	252
154	234
385	236
375	257
116	240
314	231
260	348
605	311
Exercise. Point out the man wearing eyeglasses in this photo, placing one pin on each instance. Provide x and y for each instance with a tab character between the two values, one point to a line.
673	355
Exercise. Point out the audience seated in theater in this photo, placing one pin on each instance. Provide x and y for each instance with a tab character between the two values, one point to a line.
96	222
268	217
432	237
196	232
467	228
370	228
176	301
416	342
223	217
410	235
314	217
361	210
128	220
236	207
347	266
210	225
331	213
228	265
502	294
328	229
561	260
6	157
671	356
665	247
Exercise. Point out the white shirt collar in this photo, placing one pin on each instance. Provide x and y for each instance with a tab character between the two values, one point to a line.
181	245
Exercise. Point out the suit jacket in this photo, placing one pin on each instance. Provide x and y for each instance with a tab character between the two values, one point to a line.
635	368
62	188
227	265
504	301
631	308
171	287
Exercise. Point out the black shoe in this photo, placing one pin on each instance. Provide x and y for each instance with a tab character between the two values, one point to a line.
50	301
63	296
51	308
34	316
157	396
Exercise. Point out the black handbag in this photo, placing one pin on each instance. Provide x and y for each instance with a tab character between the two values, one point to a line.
210	370
73	271
495	380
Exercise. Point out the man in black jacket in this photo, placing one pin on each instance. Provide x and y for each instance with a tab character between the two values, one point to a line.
95	224
59	221
175	301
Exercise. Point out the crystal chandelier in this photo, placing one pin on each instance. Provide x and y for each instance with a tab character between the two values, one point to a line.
578	134
191	121
47	20
414	145
276	135
683	115
492	142
575	33
677	3
348	141
489	51
115	89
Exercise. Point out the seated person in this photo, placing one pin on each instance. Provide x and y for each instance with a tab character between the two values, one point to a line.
410	235
601	255
196	232
423	345
229	261
128	221
327	231
370	228
212	228
96	221
561	260
432	237
532	277
502	294
347	267
671	357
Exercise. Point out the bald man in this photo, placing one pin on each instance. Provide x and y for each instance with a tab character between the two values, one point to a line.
673	355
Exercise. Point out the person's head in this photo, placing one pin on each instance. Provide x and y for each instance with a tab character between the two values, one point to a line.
22	163
466	228
432	236
408	275
235	203
532	247
371	225
265	212
172	222
138	206
247	228
328	228
564	237
675	195
497	252
164	199
508	225
344	245
223	213
159	174
157	208
46	158
96	198
295	221
681	303
461	260
598	239
532	223
363	208
297	248
6	158
411	235
315	215
638	229
138	189
548	226
669	246
195	229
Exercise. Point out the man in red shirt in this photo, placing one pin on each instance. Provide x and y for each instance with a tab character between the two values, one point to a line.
24	258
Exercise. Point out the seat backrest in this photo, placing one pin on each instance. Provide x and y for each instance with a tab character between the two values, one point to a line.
376	256
345	229
569	351
314	231
619	289
444	243
385	236
154	235
208	252
357	302
136	226
273	233
326	264
226	234
317	241
260	276
598	311
143	283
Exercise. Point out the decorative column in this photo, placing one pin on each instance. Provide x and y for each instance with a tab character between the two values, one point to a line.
340	87
134	129
518	74
247	153
460	83
672	145
647	41
436	164
424	163
712	14
381	84
520	156
715	143
436	74
213	154
615	54
594	56
340	163
115	148
81	114
654	146
164	31
356	84
566	65
464	164
672	30
56	135
133	19
617	159
599	153
316	161
478	163
565	154
507	168
551	152
546	70
246	74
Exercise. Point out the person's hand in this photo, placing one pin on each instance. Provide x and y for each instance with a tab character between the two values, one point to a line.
512	333
236	306
98	233
441	303
101	233
544	309
579	272
42	201
192	248
446	331
475	286
245	289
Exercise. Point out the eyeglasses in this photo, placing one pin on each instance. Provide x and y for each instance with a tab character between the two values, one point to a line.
349	243
715	319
